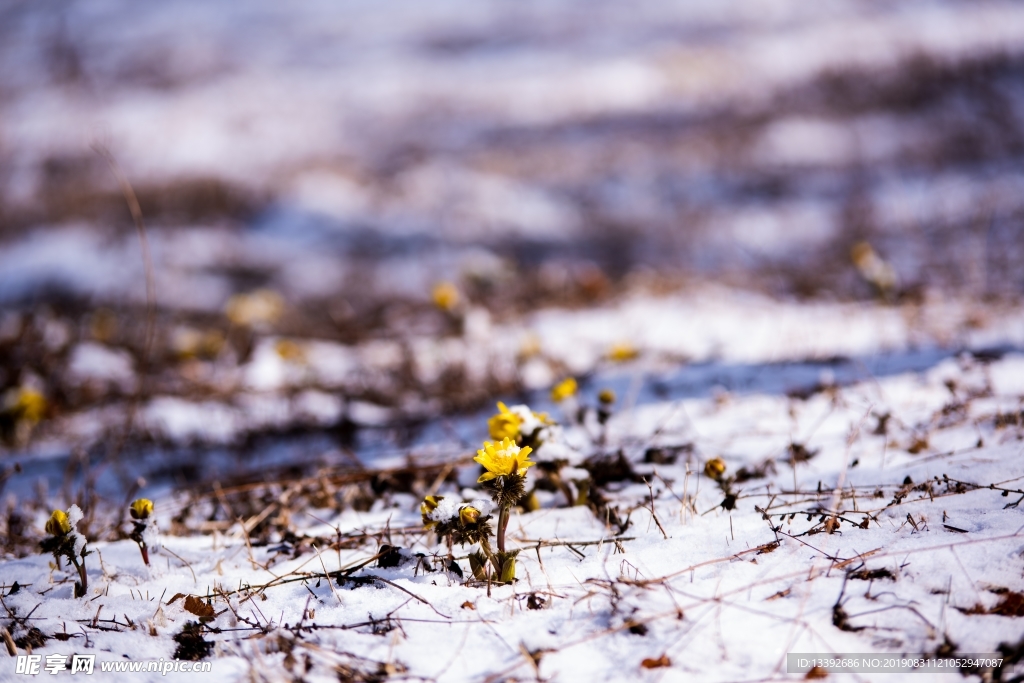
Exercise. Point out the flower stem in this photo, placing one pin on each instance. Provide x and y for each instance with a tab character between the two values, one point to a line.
502	523
84	584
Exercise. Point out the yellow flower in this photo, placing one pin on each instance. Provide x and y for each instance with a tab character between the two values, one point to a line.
30	404
502	459
622	352
468	514
445	296
428	505
141	508
58	524
563	390
504	425
714	468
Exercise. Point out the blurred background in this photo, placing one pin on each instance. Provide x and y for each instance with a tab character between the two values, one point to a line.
369	215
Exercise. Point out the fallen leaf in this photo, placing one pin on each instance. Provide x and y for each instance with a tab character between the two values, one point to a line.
197	607
176	597
656	663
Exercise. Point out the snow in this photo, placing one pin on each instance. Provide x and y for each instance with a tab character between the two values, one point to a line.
91	362
714	592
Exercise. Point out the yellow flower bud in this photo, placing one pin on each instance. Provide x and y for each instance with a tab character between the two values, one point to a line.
564	389
58	524
469	514
141	508
714	468
508	570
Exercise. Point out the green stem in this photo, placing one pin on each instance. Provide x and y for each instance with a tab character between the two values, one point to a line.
502	523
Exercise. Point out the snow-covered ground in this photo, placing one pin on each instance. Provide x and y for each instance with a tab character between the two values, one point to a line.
788	238
925	557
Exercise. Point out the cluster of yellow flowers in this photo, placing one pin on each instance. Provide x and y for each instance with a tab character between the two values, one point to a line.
516	434
65	541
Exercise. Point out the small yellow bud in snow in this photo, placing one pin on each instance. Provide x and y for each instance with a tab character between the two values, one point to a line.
58	524
141	508
714	468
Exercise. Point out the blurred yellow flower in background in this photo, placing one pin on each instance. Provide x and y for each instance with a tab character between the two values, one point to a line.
622	351
445	295
26	403
564	389
290	350
504	425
